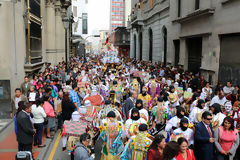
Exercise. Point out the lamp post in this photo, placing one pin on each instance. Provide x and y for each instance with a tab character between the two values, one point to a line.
84	55
66	26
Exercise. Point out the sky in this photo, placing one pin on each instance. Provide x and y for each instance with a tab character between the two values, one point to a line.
99	14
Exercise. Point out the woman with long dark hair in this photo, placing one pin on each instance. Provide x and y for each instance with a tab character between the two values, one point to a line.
67	109
38	117
155	151
184	152
170	151
227	140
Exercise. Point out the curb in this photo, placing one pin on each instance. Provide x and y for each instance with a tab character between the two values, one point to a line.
49	144
7	125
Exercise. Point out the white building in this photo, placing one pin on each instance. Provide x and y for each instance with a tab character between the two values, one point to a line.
80	14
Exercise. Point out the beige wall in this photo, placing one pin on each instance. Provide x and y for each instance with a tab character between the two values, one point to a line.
9	68
223	21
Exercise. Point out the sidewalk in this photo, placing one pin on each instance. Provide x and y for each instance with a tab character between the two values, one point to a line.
9	145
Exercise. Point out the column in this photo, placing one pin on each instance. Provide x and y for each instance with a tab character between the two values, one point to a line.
59	32
50	32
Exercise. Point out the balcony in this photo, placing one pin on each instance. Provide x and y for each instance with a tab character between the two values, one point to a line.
196	14
137	19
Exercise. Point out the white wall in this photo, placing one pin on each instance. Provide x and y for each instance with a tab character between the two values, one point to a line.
82	7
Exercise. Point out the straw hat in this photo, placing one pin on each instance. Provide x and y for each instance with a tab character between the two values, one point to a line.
172	98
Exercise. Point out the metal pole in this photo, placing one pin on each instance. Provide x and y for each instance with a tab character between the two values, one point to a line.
66	59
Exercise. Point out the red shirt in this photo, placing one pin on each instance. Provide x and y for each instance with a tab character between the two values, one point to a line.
154	154
190	155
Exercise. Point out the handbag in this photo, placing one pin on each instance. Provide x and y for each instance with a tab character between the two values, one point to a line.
45	121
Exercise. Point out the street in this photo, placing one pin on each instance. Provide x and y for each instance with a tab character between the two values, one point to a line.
8	145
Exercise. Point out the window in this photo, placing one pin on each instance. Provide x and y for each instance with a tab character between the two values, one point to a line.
75	11
84	23
179	8
197	4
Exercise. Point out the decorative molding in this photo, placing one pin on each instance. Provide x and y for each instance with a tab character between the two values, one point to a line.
226	1
51	50
195	35
195	14
49	3
58	11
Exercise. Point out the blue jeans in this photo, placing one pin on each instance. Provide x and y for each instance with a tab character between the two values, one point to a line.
39	133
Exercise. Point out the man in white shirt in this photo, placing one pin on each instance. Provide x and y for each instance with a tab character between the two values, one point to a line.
220	99
228	89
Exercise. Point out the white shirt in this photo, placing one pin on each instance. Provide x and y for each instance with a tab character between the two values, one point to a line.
173	122
16	101
38	114
188	134
143	114
220	117
227	90
129	122
219	101
207	127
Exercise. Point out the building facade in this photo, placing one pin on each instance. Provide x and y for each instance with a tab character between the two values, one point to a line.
117	14
205	38
32	34
149	30
80	17
80	26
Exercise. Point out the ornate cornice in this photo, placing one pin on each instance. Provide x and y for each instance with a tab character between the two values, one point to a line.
50	3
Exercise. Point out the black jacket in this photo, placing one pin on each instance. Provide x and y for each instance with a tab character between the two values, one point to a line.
67	110
25	130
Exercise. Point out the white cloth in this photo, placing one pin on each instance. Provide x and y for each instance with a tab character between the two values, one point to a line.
227	90
173	122
64	141
16	101
188	134
143	113
220	117
32	96
219	101
38	114
129	122
193	114
75	116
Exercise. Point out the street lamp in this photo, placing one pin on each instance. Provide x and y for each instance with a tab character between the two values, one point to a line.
66	26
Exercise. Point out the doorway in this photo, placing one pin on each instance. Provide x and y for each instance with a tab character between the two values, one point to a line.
150	44
165	46
177	51
194	46
135	48
140	46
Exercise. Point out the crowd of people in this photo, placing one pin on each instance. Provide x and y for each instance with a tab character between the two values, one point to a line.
138	110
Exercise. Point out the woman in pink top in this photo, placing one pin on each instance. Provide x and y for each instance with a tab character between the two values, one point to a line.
48	108
35	79
227	140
